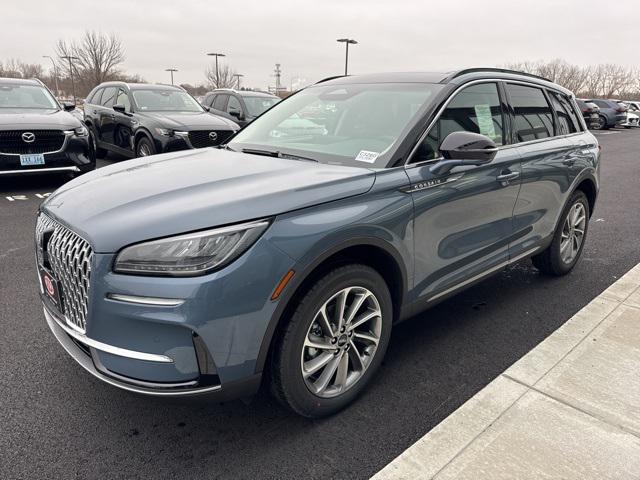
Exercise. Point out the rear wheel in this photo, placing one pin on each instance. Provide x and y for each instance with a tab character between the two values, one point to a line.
334	342
145	147
568	241
600	123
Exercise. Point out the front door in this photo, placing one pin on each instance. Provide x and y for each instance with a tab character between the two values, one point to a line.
463	219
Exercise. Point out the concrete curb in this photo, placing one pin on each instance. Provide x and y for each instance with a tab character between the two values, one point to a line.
570	408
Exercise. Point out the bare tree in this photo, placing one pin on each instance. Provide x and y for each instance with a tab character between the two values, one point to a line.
98	57
225	76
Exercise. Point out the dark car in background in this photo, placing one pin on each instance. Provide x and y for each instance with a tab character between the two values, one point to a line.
136	120
611	113
590	112
37	134
241	106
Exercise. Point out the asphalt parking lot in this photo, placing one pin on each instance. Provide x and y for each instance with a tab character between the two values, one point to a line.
59	422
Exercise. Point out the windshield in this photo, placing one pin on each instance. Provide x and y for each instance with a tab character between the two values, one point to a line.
154	100
26	96
258	105
353	124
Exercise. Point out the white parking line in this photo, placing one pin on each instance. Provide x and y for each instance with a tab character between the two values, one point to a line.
567	409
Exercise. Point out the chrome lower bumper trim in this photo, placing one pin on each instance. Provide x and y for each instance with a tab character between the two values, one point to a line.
86	362
103	347
39	170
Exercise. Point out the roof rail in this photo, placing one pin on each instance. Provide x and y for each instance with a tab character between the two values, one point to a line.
330	78
491	69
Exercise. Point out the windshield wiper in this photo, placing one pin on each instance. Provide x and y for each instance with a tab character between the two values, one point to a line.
277	154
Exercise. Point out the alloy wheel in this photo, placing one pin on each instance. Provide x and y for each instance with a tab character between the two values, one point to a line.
143	150
573	233
341	341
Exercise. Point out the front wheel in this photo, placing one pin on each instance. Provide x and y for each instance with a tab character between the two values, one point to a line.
145	147
334	342
568	241
600	123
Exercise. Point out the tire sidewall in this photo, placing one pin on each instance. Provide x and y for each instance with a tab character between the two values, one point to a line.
298	395
556	258
144	140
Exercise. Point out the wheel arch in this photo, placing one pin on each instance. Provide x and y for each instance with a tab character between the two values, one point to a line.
372	252
588	187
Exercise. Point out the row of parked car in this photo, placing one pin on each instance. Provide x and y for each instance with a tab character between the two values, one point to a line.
136	120
602	114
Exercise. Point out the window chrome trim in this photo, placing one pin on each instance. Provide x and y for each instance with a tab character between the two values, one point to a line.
104	347
138	300
463	86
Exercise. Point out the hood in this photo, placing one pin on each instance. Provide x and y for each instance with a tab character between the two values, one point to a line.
191	120
21	119
174	193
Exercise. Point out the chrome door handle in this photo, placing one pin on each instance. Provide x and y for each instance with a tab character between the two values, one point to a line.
506	177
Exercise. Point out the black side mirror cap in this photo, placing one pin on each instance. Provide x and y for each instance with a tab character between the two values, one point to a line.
120	108
464	148
68	106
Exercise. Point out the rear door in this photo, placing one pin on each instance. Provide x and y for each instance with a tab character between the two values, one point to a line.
546	176
463	219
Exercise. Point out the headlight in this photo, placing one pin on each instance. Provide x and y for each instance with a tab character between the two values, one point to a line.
164	132
191	254
81	131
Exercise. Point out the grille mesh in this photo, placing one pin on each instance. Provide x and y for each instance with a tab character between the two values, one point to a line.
45	141
201	139
70	257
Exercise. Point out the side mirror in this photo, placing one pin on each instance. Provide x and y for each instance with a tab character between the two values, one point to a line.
464	148
68	106
120	108
236	113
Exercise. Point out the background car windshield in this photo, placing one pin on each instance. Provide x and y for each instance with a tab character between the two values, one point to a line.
258	105
26	96
353	124
165	101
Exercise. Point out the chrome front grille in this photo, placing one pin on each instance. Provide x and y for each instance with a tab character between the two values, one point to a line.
69	257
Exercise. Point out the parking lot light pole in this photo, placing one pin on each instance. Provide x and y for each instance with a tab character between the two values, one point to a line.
346	41
55	73
217	74
73	84
171	70
237	76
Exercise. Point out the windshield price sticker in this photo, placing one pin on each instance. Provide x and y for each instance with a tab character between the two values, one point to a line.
366	156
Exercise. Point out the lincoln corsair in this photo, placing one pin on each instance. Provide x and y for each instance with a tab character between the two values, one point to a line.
137	120
37	134
289	258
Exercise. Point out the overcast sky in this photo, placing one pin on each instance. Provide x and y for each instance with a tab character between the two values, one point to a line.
393	35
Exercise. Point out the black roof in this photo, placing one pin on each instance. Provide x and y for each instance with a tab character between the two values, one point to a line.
20	81
455	77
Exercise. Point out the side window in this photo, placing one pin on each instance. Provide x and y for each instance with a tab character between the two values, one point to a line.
475	109
566	124
208	100
95	98
220	103
600	103
533	118
108	96
123	99
234	105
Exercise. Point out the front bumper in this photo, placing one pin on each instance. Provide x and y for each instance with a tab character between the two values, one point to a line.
74	156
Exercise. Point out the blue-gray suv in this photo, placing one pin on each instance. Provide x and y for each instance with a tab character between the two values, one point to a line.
289	254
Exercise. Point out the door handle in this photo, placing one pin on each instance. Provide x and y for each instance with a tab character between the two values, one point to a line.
506	177
569	161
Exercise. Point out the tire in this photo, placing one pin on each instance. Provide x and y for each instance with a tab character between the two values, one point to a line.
553	260
292	353
98	152
145	147
600	124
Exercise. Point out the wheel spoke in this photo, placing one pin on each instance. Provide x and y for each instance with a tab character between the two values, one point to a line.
354	356
327	374
578	230
343	370
341	305
355	306
319	344
365	317
316	363
324	321
367	337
